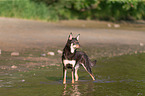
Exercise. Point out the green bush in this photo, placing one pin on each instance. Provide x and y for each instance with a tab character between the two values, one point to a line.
24	9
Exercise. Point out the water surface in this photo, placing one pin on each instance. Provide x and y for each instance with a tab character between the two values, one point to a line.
117	76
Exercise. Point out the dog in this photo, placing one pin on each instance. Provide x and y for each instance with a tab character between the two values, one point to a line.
72	59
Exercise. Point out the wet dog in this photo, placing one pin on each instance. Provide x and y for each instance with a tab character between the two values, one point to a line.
72	59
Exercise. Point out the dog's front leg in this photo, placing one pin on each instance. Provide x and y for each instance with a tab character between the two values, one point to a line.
72	74
64	75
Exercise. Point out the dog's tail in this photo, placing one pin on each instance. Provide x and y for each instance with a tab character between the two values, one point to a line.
93	63
89	63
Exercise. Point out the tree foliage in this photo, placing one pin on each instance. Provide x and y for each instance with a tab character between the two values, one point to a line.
54	10
97	9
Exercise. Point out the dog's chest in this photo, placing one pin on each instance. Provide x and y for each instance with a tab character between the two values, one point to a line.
72	62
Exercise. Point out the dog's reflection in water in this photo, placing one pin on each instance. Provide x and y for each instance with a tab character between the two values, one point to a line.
82	87
71	91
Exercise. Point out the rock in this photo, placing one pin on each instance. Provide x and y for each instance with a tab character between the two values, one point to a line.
23	80
135	52
51	53
57	65
43	55
109	25
141	44
59	51
15	54
14	67
116	25
52	64
42	65
1	80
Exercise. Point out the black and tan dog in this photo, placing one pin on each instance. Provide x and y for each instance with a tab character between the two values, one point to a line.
71	59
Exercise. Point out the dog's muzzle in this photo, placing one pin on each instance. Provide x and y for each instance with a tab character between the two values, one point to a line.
77	46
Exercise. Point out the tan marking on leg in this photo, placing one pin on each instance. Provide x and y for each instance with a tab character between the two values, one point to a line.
72	77
76	72
88	72
92	76
64	79
76	75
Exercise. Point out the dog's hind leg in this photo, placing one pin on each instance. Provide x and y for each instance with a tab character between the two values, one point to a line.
89	71
76	72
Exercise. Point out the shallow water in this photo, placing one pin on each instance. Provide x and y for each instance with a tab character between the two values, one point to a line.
117	76
81	88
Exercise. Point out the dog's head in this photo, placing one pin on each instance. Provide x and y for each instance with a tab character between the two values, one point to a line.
73	42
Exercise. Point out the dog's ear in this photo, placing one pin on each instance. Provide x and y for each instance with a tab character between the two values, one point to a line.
78	36
70	36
